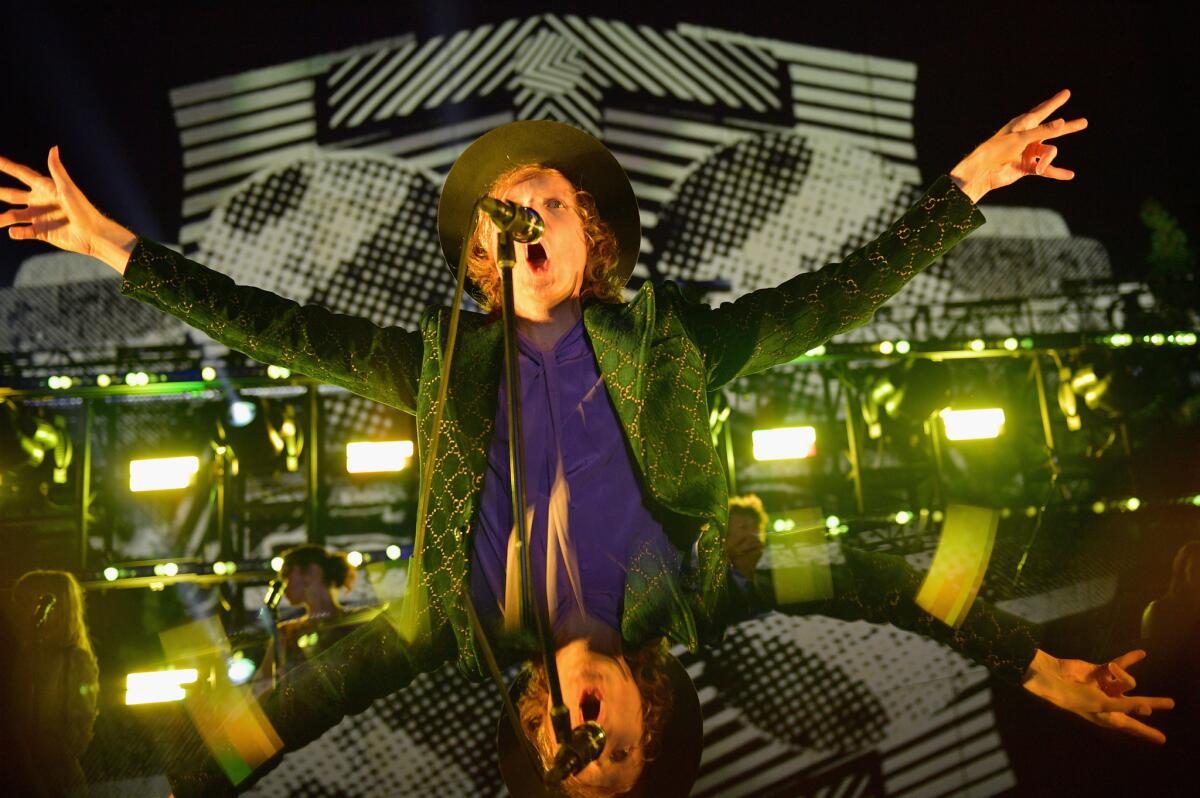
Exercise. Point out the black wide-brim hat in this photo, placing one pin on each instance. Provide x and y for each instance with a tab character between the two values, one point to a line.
582	158
670	775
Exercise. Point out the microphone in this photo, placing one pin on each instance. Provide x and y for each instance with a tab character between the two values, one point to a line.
586	745
522	223
41	610
275	590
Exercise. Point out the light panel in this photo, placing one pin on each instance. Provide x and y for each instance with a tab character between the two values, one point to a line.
785	443
164	473
157	687
973	425
373	457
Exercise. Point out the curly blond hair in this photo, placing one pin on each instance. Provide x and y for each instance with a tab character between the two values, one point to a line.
600	277
649	667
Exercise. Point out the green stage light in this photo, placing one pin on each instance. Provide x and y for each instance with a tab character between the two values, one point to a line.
218	568
1158	339
903	517
886	347
937	516
1185	339
1132	503
103	380
1098	507
972	425
816	351
903	347
1011	344
371	457
278	372
137	379
165	473
158	686
208	373
111	574
976	345
784	443
833	522
393	552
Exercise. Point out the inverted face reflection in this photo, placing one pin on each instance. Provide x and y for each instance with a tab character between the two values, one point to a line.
601	688
551	271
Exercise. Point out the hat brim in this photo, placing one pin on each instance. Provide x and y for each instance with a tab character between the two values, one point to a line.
670	775
583	159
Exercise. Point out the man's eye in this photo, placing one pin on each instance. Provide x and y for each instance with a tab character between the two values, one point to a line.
554	203
620	755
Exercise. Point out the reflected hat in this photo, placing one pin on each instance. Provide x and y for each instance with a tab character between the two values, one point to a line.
582	158
670	775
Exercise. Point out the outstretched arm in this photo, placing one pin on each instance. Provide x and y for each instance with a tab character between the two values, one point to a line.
775	325
381	363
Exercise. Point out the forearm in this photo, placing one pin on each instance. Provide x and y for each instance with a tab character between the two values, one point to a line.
381	363
882	588
113	244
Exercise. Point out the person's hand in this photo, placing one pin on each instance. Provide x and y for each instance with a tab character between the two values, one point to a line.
1016	150
57	212
1096	692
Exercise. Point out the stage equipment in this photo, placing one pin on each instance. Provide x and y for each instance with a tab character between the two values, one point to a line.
165	473
158	686
586	745
910	392
260	432
523	224
372	457
784	443
972	425
26	439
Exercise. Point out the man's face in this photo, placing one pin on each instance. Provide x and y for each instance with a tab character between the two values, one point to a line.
549	272
744	546
600	687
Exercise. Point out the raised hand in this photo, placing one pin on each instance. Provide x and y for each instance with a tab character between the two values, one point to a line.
54	210
1016	150
1096	692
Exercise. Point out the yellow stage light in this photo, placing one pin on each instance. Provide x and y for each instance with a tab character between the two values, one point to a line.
972	425
158	686
784	443
355	558
886	347
164	473
393	552
276	563
103	380
208	373
377	456
111	574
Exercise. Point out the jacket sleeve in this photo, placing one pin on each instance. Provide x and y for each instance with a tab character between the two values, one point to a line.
882	588
372	662
776	325
380	363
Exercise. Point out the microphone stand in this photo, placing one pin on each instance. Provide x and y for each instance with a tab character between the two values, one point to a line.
560	717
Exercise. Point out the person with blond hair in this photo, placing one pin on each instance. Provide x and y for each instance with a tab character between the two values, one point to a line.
56	665
627	499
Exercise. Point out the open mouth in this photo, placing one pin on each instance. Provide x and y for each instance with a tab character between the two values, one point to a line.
536	255
589	705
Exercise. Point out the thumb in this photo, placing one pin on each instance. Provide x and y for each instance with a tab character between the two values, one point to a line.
66	186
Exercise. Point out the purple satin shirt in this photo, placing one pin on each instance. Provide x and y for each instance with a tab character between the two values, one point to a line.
565	408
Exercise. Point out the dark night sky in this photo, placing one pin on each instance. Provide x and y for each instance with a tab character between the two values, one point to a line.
95	82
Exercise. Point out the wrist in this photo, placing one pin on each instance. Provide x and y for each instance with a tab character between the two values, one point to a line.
966	177
113	244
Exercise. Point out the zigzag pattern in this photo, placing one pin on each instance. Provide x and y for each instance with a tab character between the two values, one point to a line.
552	82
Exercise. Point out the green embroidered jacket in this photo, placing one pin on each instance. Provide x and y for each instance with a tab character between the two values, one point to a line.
660	357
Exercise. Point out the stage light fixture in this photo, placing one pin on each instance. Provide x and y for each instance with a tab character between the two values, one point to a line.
976	345
164	473
1011	344
218	568
136	379
157	687
816	351
278	372
276	564
1098	507
393	552
1120	339
903	517
103	380
903	347
26	439
111	574
833	522
355	558
1133	503
972	425
784	443
241	413
372	457
240	668
208	373
886	347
